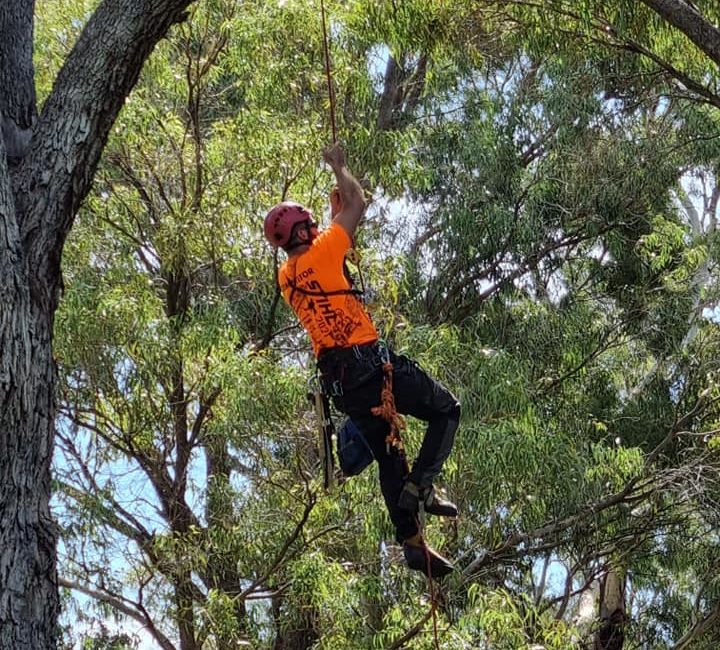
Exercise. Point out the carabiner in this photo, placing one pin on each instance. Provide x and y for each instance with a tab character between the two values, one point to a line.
383	351
314	384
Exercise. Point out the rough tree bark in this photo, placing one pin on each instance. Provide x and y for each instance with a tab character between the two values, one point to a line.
52	160
17	100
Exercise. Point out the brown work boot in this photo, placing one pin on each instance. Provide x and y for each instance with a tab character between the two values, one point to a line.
421	557
411	497
436	505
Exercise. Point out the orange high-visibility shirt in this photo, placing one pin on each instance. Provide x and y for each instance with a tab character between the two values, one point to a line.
331	321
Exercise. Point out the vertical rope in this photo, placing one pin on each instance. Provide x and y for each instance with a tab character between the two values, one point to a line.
433	598
328	74
387	411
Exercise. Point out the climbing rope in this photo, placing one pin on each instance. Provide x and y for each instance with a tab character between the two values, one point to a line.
328	74
388	412
433	597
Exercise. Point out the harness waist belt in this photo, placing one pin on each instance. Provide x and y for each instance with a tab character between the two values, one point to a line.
359	352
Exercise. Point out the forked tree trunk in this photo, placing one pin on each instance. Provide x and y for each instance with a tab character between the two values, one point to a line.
52	160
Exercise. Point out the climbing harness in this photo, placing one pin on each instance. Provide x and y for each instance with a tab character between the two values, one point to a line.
353	451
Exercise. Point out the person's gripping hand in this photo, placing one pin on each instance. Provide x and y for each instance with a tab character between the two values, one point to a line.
334	156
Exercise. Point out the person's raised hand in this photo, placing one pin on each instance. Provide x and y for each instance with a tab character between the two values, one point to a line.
334	156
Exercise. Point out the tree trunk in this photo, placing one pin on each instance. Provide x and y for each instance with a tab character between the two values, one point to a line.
17	100
184	612
403	86
28	580
52	164
611	631
301	635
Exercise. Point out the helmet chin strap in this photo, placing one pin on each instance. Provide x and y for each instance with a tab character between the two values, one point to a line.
296	242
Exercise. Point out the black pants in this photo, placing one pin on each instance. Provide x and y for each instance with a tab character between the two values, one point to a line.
354	378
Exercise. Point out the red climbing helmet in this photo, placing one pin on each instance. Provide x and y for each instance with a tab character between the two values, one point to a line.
280	221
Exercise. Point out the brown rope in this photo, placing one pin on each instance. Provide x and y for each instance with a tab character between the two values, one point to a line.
433	596
388	412
328	74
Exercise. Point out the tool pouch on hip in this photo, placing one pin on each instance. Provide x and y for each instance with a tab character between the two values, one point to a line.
353	450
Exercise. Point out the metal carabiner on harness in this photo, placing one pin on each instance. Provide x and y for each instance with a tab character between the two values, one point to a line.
314	385
383	351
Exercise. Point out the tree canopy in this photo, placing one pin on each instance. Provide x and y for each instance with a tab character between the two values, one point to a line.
541	236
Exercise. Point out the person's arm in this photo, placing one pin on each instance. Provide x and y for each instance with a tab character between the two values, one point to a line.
335	202
349	202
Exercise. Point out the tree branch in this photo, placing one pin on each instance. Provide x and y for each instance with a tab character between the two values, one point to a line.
91	88
132	609
283	551
690	22
412	632
708	622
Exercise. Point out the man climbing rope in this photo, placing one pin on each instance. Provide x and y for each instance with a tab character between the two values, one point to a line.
351	359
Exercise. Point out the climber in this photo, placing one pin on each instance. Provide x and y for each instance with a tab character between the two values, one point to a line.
349	354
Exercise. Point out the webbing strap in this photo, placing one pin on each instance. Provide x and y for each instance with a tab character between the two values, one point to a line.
334	292
352	291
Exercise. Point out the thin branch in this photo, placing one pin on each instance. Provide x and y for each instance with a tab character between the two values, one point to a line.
203	414
708	622
283	551
134	610
412	632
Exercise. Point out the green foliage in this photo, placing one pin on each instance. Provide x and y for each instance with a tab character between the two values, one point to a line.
527	243
503	622
108	642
